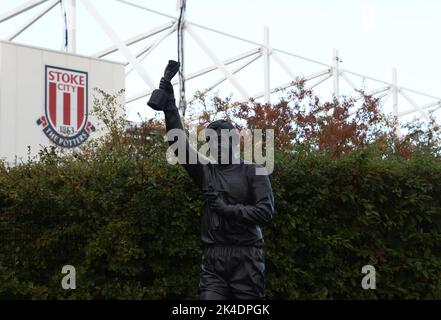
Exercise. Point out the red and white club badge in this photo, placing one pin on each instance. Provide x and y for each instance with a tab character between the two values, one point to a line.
66	107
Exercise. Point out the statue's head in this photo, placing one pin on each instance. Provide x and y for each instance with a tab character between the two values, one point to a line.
224	137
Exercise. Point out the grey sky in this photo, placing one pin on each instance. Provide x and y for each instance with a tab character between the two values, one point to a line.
372	36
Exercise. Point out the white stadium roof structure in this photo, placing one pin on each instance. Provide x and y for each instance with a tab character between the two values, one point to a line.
145	39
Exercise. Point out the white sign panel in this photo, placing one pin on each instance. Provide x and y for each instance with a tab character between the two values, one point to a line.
45	98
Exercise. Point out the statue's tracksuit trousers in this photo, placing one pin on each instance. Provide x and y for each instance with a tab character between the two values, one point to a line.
232	273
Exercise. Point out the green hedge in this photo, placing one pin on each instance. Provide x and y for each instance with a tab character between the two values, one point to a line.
130	226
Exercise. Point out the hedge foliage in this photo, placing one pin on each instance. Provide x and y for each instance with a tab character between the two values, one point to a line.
129	222
130	226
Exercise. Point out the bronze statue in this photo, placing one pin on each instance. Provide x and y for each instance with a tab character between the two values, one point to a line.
237	202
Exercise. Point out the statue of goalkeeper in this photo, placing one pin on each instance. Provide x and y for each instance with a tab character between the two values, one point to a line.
237	202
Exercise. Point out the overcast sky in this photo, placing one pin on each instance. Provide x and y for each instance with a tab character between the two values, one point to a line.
372	36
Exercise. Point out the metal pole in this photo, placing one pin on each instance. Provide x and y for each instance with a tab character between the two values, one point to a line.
395	92
201	72
21	9
415	105
236	70
72	26
289	84
135	39
266	64
141	55
336	73
283	65
434	105
106	27
220	65
181	6
33	19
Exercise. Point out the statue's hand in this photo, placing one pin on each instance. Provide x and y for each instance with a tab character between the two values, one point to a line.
171	69
216	203
163	98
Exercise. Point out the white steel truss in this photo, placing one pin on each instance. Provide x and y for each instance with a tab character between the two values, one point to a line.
261	51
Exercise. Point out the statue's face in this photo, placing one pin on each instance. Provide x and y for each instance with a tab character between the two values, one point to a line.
224	146
222	137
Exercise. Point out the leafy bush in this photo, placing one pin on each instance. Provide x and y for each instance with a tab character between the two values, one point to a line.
339	214
129	222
